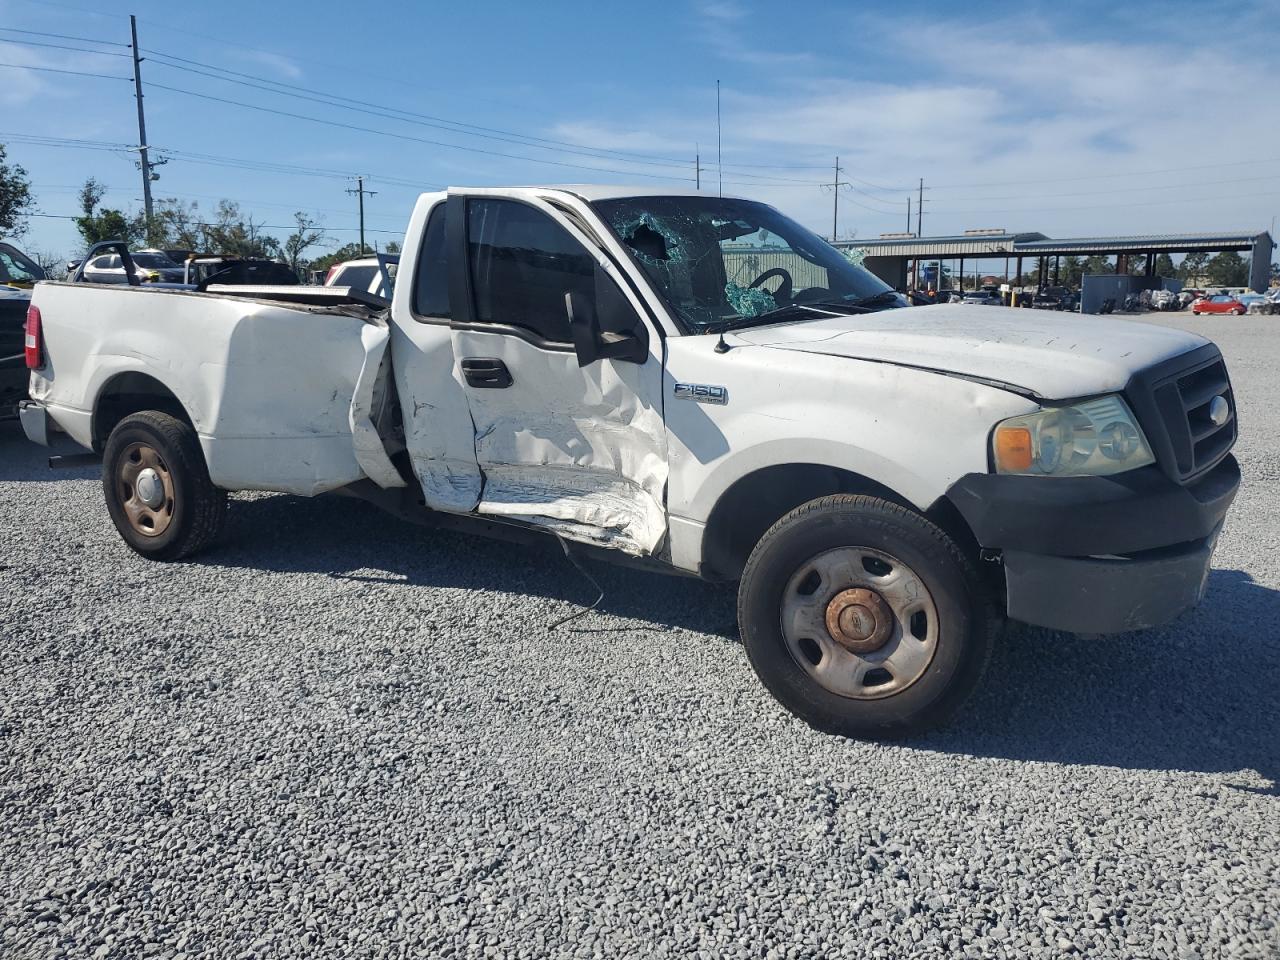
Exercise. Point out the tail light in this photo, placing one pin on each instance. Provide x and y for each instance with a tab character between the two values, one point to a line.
33	341
329	276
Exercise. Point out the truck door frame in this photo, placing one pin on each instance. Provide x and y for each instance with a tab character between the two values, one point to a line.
602	481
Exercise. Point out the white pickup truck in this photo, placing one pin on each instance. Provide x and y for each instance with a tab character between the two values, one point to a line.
699	382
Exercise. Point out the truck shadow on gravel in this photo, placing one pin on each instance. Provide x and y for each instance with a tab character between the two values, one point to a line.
1198	695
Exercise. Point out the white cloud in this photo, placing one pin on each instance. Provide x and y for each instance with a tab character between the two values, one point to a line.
280	64
1014	101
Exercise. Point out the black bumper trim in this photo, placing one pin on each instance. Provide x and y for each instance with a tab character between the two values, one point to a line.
1099	554
1092	516
1106	595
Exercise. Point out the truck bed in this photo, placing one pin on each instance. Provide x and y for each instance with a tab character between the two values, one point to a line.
280	393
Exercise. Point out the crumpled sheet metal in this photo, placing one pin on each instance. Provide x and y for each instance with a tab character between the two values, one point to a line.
579	451
370	453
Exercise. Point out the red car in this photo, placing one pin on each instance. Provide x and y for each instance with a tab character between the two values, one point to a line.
1218	303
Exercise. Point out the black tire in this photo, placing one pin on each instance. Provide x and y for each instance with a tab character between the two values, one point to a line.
963	638
194	513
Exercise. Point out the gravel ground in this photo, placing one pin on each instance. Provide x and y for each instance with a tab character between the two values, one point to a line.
335	735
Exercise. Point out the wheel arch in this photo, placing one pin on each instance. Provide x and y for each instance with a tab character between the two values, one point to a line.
757	500
129	392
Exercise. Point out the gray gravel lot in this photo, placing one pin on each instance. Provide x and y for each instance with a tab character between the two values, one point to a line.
335	735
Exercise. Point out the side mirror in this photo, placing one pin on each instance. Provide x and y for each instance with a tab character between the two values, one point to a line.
625	339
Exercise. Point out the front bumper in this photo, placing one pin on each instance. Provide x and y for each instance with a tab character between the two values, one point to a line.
1100	554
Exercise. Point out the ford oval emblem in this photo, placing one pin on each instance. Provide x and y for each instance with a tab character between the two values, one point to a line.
1219	411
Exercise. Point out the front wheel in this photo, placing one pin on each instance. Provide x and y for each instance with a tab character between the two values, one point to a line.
157	487
863	618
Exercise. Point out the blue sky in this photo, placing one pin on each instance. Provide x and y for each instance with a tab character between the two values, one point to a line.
1068	118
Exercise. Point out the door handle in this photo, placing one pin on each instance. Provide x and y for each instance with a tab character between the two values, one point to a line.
486	372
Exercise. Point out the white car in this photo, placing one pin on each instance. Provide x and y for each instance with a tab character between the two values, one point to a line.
881	480
147	267
376	275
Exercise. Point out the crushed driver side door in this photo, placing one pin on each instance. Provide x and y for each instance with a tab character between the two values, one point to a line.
578	449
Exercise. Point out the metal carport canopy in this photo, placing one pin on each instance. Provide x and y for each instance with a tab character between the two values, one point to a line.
1153	243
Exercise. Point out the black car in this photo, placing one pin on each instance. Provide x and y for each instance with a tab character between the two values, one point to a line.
1056	298
18	273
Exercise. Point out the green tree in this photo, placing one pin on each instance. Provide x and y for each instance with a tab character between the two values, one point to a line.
1070	270
1096	264
1227	269
15	197
176	224
393	246
1164	266
231	233
96	225
1192	267
308	234
349	251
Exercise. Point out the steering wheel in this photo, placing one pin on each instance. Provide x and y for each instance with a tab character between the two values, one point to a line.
784	288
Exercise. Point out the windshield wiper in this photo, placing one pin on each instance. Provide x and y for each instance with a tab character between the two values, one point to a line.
858	303
772	316
810	308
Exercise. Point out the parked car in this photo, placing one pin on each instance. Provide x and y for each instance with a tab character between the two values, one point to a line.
376	275
986	298
237	271
1165	300
148	267
18	274
1055	298
1218	303
880	481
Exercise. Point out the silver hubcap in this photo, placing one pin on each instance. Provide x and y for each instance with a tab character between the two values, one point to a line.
150	488
860	622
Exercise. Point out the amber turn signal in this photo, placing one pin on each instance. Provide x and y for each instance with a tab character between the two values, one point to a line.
1013	449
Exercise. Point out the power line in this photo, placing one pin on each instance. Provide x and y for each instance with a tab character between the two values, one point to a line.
1111	176
74	73
205	223
63	46
1092	193
364	108
63	36
407	137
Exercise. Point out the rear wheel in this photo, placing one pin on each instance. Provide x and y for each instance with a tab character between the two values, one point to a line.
863	618
157	487
1238	311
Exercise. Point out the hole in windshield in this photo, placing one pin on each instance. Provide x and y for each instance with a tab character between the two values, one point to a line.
718	260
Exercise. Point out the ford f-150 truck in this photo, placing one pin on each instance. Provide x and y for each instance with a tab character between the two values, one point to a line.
694	382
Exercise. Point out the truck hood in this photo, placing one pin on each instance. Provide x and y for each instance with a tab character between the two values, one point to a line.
1044	355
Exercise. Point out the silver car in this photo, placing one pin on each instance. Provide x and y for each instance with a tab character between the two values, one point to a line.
147	267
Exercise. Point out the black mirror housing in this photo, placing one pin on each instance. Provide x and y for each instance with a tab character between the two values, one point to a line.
618	335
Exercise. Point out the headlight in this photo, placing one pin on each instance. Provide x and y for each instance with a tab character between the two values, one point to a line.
1090	438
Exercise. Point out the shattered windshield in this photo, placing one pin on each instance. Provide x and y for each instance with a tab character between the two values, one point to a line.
718	260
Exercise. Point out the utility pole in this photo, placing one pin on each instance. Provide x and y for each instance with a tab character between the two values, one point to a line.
835	186
908	213
360	192
719	154
144	161
920	211
697	166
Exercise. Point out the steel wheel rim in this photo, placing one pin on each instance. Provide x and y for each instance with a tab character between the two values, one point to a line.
145	486
911	643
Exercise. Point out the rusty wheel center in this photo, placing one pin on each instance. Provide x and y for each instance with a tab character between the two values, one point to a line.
859	620
146	489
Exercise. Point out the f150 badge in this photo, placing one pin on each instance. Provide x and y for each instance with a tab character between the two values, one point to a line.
702	393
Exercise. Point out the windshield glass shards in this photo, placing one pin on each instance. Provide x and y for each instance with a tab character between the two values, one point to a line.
720	260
